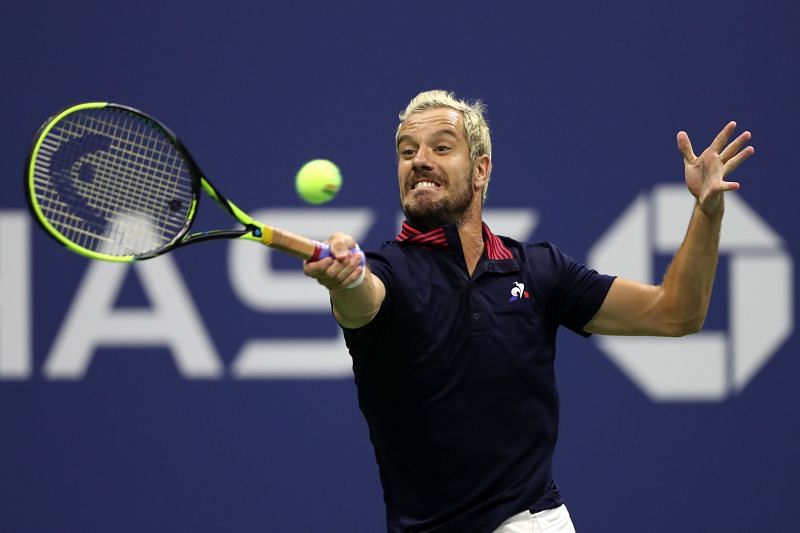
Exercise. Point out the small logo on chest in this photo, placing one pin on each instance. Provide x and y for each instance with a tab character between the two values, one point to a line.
518	291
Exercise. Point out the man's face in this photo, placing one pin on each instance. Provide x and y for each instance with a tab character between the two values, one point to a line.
434	168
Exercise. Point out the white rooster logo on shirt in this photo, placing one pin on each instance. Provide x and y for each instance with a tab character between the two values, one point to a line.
518	291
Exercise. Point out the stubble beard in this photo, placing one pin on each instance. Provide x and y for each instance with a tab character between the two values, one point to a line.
425	216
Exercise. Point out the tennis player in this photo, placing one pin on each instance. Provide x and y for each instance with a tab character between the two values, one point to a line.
452	328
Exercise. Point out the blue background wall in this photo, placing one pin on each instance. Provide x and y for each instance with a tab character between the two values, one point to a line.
584	102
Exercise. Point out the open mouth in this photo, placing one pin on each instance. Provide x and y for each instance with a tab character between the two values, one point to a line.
425	184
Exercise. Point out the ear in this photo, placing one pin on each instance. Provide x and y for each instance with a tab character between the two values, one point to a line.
480	174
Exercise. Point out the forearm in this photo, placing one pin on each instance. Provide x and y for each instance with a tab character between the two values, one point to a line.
690	277
679	305
354	308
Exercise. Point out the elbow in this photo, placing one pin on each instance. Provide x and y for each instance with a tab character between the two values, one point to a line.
354	321
683	320
685	327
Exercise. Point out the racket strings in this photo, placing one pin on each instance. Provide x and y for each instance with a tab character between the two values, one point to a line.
112	182
135	193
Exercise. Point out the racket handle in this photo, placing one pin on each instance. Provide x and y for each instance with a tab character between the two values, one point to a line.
323	250
300	246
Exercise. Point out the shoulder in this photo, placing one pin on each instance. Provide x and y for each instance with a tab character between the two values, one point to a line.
390	263
387	258
398	255
548	266
541	254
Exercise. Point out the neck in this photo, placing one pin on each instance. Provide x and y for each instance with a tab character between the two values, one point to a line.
470	232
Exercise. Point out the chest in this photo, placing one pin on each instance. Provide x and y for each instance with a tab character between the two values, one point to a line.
454	334
446	306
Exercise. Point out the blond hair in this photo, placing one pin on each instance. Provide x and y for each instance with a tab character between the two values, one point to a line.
477	130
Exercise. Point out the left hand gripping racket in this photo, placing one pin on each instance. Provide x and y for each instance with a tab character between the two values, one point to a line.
111	182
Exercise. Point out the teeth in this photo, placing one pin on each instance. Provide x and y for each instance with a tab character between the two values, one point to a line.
425	185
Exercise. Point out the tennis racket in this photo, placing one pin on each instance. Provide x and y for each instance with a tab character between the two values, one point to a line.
113	183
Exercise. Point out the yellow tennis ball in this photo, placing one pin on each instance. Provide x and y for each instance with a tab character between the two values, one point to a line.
318	181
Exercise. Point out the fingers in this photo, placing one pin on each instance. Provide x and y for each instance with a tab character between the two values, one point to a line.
334	274
341	245
705	175
343	274
734	154
726	186
738	159
685	147
722	137
735	147
342	269
731	155
718	145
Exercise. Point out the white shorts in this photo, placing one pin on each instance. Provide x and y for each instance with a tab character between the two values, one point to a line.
550	521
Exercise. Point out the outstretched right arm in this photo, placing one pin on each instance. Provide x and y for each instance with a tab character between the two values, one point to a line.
352	307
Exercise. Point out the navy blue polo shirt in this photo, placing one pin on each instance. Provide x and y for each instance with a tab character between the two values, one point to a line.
455	376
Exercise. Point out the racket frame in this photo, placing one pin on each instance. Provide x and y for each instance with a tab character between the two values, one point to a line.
252	229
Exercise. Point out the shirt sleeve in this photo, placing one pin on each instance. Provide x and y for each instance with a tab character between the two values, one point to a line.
579	292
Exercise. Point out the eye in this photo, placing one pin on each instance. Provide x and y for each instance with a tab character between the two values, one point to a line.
407	152
442	148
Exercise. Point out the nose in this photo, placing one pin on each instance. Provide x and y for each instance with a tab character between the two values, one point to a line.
421	159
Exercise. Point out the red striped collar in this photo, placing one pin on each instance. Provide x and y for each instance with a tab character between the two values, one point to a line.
436	238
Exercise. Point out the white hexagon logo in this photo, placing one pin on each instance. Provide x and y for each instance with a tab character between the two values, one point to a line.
710	365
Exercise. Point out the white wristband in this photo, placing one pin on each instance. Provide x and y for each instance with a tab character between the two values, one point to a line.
360	279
